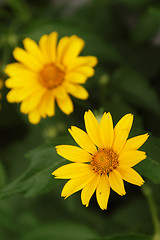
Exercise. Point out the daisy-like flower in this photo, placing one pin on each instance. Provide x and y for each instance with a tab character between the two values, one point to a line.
48	72
104	159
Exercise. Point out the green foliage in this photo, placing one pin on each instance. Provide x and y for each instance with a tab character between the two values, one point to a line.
124	35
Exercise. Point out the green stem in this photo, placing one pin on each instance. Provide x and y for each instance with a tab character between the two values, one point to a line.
153	210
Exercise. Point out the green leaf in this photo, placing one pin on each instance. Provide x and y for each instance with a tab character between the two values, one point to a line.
147	26
38	177
150	167
136	89
60	231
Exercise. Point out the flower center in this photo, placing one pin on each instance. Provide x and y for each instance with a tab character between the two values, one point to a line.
104	161
51	76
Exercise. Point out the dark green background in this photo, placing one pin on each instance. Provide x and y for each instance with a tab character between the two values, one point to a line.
125	37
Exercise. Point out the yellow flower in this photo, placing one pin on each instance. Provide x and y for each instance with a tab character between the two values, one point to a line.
104	159
48	72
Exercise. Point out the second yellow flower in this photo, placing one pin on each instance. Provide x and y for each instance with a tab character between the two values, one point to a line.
46	73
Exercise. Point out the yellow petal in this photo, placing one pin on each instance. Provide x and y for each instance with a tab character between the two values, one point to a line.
77	91
33	49
93	128
21	81
83	140
75	77
131	176
86	71
116	182
65	104
63	42
52	45
47	104
121	132
19	94
131	157
33	100
76	184
27	59
73	49
89	61
60	92
103	191
43	44
72	170
89	189
73	153
106	130
24	107
18	69
135	142
34	116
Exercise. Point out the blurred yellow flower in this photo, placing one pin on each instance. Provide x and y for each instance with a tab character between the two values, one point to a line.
1	86
105	158
48	72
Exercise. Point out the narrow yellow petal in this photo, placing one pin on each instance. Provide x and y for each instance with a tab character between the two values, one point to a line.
73	49
18	69
72	170
81	61
60	92
34	116
52	45
106	130
83	140
47	104
76	184
76	91
86	71
93	128
43	44
33	49
75	77
130	175
121	132
116	182
89	189
19	94
32	101
73	153
63	42
21	81
27	59
135	142
103	191
65	104
131	157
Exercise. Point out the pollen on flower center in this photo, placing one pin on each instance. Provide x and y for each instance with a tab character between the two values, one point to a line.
104	161
51	76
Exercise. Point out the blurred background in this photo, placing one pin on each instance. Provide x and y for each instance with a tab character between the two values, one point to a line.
125	37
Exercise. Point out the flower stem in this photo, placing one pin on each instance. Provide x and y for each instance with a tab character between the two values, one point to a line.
153	210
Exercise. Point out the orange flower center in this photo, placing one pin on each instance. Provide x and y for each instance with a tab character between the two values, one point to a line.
51	76
104	161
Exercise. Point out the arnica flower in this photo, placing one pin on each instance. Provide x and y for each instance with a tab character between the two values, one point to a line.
48	72
104	159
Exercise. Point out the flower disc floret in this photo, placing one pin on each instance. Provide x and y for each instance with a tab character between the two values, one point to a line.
104	161
51	76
